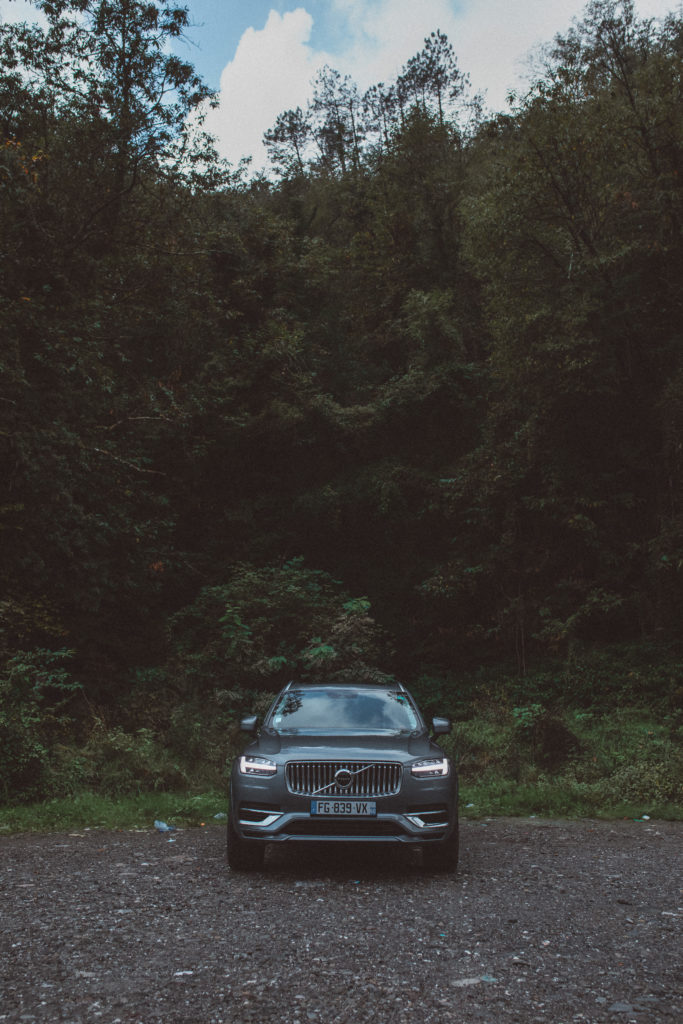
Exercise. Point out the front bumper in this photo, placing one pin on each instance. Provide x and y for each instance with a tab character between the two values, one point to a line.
423	811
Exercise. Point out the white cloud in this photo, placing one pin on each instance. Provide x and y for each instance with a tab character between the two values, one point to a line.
491	38
273	67
271	72
496	37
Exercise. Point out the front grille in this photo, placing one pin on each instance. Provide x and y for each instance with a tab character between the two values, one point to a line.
367	778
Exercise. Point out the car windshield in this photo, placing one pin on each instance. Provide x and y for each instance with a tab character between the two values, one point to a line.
333	710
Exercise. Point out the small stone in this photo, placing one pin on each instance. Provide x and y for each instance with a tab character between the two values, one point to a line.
621	1008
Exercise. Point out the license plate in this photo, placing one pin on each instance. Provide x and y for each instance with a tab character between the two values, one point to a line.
345	808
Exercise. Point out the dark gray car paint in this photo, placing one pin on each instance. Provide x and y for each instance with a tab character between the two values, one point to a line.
402	748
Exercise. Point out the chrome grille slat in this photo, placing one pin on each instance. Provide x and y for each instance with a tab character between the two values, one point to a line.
369	778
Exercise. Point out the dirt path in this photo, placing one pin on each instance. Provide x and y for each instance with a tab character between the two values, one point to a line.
546	921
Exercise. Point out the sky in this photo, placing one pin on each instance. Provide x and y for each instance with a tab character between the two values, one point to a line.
262	55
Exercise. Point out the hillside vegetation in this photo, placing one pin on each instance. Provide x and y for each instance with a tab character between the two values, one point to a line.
411	407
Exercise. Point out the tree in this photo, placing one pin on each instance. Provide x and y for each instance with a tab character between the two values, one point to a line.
110	59
573	229
431	79
381	110
336	111
97	130
288	141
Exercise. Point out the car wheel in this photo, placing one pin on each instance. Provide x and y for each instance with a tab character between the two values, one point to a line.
243	854
443	855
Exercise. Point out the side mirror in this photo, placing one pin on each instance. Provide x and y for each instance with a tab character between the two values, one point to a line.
249	724
441	726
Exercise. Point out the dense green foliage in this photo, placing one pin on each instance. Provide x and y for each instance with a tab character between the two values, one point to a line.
413	407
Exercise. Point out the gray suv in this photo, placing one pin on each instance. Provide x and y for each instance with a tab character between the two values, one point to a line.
340	763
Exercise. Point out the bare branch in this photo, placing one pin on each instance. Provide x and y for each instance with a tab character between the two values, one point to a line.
125	462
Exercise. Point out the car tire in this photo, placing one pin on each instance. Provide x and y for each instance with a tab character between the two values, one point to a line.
442	856
243	854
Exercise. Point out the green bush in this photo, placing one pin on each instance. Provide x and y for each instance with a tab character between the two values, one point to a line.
268	625
118	763
578	758
35	688
647	782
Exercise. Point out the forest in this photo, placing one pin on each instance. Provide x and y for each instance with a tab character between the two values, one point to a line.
409	407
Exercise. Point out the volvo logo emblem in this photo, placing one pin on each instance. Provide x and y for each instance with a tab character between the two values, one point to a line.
343	777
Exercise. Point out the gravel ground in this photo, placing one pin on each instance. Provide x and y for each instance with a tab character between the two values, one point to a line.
546	921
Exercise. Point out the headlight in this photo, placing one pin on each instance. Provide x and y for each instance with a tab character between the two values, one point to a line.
433	767
257	766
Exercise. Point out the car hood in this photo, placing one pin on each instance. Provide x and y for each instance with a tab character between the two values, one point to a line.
389	746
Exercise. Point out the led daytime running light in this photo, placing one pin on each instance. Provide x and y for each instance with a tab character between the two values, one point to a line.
257	766
433	767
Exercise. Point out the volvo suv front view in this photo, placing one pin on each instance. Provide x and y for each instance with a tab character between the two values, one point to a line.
341	763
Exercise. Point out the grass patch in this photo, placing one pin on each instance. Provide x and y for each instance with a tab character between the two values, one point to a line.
569	763
492	797
555	798
89	810
528	747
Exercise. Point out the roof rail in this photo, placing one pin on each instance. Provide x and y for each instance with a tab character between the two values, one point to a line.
322	682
